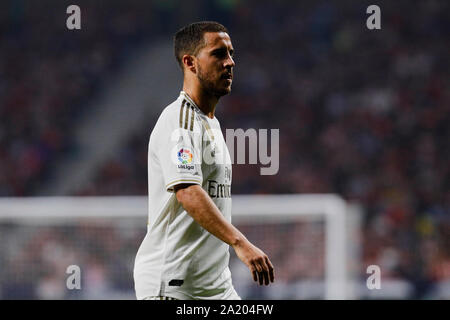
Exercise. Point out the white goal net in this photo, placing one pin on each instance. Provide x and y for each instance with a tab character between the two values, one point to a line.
312	240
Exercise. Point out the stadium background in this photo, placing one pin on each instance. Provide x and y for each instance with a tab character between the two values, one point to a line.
361	113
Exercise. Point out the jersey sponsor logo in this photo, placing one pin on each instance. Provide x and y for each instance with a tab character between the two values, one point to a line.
219	190
227	174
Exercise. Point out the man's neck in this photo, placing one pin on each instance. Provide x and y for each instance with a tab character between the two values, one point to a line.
204	102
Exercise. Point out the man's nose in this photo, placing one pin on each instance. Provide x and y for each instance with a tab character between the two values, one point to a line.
229	63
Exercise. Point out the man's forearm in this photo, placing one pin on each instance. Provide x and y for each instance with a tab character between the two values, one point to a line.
203	210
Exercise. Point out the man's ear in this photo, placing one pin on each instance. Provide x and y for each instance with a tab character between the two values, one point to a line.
188	63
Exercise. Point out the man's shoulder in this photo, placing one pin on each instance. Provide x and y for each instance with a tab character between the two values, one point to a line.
172	110
180	114
168	116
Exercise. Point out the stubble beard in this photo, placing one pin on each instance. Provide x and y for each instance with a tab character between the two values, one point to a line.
210	86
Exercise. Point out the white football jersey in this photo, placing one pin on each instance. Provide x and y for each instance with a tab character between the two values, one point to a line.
178	257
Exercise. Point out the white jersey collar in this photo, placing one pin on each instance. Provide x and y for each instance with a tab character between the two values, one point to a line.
189	99
186	96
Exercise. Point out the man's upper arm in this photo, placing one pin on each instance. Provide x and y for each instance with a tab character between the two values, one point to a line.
179	152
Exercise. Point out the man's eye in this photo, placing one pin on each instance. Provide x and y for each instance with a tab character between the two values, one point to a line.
220	54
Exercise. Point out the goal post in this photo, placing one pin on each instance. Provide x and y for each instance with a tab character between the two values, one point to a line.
342	223
319	220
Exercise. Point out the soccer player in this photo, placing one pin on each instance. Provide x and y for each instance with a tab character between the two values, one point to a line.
185	253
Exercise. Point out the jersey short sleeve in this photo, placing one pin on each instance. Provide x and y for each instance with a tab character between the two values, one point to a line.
179	150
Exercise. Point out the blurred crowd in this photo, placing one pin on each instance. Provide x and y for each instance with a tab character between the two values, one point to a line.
361	113
35	260
50	76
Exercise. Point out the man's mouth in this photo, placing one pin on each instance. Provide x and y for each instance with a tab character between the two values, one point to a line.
227	76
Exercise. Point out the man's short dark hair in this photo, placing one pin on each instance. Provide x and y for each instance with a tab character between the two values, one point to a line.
189	39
